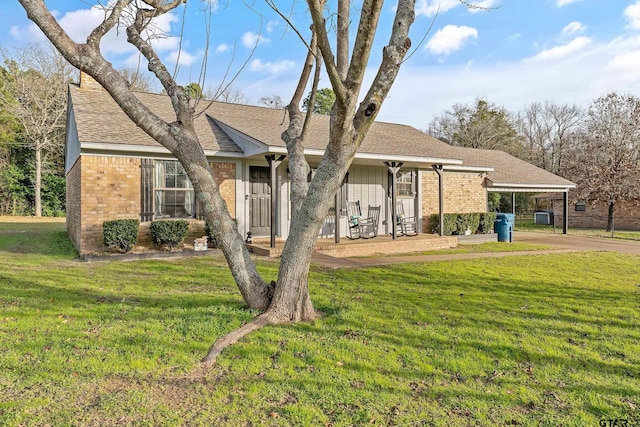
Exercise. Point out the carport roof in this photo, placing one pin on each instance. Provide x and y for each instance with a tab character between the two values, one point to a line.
511	174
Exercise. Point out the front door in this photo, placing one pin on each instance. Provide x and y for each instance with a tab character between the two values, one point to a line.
260	200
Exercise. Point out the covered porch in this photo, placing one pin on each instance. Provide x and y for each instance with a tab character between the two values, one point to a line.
392	187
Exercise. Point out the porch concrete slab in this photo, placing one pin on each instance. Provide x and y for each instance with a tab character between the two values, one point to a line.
382	244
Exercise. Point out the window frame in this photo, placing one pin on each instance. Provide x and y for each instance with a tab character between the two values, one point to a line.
405	184
580	206
182	197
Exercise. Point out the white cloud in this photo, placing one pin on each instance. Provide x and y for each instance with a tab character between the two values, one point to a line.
482	5
632	13
79	24
271	67
222	47
430	8
514	37
561	3
250	39
564	50
271	25
450	39
573	28
184	58
627	65
578	79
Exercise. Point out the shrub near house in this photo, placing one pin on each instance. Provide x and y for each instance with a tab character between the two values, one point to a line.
463	223
121	234
168	234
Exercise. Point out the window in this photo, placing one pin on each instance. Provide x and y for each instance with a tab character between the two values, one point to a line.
581	206
173	193
405	184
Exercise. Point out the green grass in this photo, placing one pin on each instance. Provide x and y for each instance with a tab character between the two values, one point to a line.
532	340
488	247
527	224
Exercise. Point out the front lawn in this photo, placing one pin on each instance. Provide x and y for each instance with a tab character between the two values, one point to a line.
533	340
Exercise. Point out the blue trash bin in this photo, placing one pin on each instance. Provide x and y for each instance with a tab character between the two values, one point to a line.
504	226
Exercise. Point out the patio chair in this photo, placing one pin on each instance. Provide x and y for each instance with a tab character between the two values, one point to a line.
407	225
354	217
369	225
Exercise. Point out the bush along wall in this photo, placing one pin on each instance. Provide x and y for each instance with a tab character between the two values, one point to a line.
168	233
463	223
121	234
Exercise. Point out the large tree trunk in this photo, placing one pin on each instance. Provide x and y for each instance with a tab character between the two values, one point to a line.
291	302
610	217
37	184
256	293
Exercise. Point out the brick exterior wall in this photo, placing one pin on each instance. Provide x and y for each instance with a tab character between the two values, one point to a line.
225	176
102	188
626	216
463	193
110	189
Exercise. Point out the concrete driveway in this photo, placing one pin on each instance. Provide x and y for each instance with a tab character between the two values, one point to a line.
564	243
578	243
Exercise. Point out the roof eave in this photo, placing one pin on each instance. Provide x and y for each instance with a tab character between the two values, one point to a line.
141	150
507	187
455	168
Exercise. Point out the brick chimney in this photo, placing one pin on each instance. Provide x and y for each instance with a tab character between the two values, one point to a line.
88	82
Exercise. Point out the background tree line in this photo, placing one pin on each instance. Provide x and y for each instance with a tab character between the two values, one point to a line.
33	98
597	148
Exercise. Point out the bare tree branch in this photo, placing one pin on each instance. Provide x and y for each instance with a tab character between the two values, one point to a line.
316	8
113	15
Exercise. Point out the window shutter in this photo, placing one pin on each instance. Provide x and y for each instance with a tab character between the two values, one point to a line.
146	190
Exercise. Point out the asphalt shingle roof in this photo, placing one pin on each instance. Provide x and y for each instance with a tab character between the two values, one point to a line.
100	120
267	124
508	169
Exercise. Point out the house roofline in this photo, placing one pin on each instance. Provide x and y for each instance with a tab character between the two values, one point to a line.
455	168
563	187
94	147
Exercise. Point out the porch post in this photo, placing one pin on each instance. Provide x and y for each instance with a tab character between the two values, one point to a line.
337	207
393	168
513	203
438	169
273	167
565	212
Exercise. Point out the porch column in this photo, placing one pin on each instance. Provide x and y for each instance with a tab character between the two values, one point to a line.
565	212
393	168
273	166
438	169
337	208
513	203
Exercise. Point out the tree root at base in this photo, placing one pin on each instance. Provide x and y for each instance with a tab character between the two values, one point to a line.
233	337
267	318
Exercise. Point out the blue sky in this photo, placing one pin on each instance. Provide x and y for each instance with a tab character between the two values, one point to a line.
515	53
